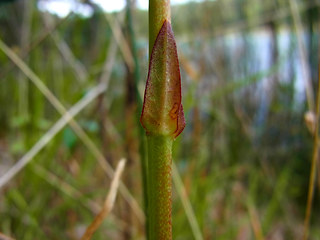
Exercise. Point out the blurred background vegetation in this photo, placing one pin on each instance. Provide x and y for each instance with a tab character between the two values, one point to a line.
249	75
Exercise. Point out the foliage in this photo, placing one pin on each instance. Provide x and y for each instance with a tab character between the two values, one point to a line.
244	156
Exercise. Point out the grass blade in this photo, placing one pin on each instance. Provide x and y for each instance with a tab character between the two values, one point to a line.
108	204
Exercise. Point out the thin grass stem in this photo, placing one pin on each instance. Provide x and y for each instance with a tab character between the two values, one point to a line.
74	125
313	170
186	204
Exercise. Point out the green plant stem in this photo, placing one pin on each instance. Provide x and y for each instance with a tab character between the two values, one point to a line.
159	150
139	102
159	11
159	187
313	170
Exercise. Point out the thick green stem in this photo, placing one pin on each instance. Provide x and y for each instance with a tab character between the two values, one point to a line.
162	117
159	187
159	11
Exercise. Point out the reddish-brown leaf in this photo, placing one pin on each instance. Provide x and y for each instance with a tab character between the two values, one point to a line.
162	112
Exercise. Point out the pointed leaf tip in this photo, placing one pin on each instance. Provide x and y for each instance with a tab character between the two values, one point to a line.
162	112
